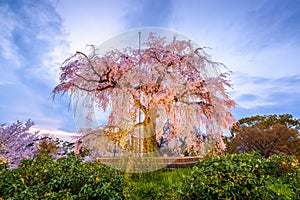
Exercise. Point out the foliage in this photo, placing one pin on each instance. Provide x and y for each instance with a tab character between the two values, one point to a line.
145	88
268	134
266	121
65	178
16	143
57	148
46	146
235	176
243	176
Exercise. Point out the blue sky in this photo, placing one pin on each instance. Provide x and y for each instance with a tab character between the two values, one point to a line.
259	41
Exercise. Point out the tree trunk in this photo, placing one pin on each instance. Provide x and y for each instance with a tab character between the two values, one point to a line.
149	135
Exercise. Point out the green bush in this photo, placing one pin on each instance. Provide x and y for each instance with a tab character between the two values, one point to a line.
235	176
285	177
66	178
243	176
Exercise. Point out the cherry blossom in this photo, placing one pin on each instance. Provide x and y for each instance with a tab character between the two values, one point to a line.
171	83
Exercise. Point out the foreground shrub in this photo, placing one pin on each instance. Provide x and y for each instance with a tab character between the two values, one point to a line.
236	176
243	176
66	178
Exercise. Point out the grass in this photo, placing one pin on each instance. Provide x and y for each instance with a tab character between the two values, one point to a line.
161	184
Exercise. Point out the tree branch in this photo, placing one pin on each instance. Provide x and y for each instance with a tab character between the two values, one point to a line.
89	61
88	80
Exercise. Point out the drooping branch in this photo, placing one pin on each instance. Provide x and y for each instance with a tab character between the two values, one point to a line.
89	61
156	78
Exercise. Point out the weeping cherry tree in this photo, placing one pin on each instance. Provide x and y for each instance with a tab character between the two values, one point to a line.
164	84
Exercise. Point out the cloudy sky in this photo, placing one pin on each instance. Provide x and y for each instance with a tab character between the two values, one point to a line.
259	41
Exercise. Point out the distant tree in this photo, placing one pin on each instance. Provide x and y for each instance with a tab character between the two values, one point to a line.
46	145
270	135
16	143
58	148
145	88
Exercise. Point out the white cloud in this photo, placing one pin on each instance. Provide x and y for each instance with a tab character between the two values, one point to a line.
32	41
6	82
54	133
8	50
249	39
91	22
32	48
254	92
52	62
249	104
